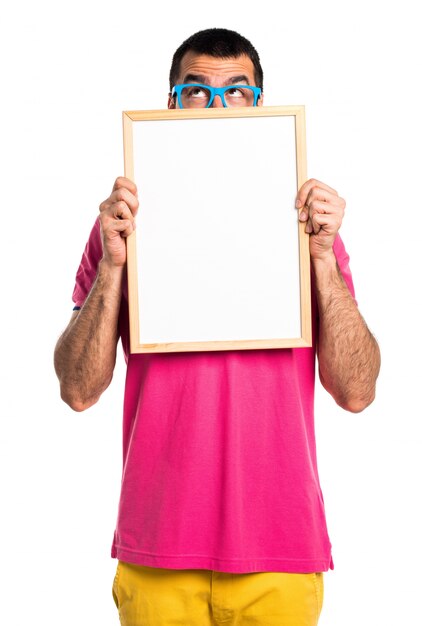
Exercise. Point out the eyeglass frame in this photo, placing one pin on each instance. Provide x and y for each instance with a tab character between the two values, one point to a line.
215	91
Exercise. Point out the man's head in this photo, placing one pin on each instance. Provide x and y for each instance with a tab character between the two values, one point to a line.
216	57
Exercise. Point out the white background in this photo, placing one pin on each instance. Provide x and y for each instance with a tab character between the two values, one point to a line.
68	70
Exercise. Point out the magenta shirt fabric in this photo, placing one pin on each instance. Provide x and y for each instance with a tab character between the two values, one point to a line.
219	459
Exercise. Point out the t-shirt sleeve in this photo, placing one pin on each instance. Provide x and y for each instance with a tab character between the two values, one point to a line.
343	263
87	271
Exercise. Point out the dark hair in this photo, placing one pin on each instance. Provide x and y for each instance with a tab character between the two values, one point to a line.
220	43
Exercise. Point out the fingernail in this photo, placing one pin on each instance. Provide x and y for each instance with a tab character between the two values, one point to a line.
303	216
298	204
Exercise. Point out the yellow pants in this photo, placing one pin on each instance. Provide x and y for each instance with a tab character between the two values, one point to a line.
151	596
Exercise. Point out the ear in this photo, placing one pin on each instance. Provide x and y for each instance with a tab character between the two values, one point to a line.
171	103
260	102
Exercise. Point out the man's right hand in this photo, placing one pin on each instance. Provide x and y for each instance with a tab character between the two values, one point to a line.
117	219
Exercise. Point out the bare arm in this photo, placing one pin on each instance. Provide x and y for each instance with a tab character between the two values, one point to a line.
348	355
85	354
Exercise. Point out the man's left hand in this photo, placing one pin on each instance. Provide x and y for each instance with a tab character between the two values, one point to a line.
323	209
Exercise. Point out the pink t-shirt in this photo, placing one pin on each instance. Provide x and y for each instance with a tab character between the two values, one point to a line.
219	459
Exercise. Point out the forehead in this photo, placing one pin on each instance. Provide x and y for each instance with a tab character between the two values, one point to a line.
193	63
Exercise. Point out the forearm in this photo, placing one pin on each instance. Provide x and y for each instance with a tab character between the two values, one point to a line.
348	354
85	354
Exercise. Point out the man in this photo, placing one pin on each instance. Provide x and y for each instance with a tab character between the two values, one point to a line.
221	516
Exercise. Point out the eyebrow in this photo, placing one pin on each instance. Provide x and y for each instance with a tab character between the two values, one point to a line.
200	78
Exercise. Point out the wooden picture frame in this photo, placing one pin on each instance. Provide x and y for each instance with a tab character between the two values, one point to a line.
219	259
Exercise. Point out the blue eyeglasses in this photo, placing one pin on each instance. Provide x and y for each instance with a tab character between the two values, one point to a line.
195	95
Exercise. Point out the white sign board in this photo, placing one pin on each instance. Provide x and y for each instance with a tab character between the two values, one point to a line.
218	259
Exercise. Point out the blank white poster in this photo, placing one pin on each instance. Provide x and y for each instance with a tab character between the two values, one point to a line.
217	233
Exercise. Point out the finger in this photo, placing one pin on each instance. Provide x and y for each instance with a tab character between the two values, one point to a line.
126	196
120	227
323	201
318	197
121	211
316	206
121	195
324	213
306	188
319	206
123	182
318	193
128	230
117	209
323	221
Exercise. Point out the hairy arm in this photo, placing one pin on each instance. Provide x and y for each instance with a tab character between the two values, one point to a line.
85	354
348	354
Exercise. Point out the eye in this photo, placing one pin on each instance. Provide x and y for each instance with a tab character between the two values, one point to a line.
196	92
235	92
